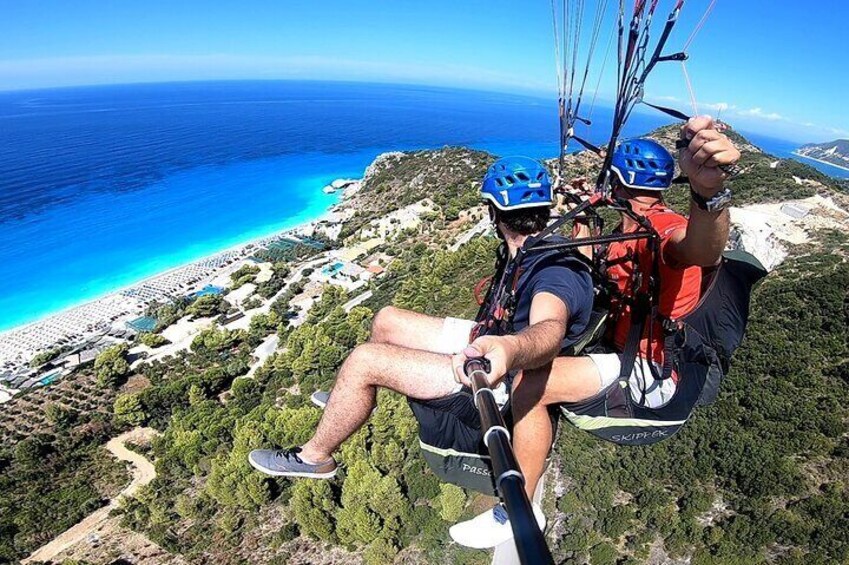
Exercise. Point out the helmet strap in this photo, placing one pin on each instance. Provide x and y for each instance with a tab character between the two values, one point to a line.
493	218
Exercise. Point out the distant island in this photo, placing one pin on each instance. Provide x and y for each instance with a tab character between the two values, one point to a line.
834	153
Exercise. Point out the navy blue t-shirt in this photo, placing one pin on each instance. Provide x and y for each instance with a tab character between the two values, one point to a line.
568	279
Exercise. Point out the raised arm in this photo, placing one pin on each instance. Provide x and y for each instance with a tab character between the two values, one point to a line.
704	240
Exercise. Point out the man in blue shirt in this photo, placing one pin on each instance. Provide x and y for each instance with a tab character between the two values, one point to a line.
416	355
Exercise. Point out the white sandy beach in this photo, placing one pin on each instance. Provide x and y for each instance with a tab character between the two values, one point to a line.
821	161
79	323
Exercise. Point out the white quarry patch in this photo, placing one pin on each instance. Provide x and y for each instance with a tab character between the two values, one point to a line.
399	220
767	230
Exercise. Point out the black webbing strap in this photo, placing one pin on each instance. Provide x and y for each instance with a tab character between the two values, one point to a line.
666	323
639	313
644	309
502	290
668	351
557	223
485	313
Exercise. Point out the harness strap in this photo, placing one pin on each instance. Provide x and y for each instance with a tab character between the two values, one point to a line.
499	307
639	314
669	326
496	291
669	330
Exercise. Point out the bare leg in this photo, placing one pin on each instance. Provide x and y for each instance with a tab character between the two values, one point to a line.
407	329
568	379
413	373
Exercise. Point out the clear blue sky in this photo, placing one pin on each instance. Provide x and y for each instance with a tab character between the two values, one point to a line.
780	68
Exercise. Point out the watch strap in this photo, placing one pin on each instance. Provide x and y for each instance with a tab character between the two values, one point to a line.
718	202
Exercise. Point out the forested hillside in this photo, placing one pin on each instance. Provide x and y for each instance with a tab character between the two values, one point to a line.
759	477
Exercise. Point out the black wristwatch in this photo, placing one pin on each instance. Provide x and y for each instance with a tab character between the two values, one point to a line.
718	202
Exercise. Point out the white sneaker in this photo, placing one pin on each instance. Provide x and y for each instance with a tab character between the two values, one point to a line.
490	529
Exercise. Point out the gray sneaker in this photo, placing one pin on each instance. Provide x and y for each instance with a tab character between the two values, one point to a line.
320	398
286	463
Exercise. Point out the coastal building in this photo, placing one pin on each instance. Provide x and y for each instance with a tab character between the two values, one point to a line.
89	352
375	269
313	289
301	302
796	211
329	230
349	276
230	317
353	271
265	272
236	297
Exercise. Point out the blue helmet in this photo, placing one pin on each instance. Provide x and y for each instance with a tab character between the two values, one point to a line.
513	183
643	164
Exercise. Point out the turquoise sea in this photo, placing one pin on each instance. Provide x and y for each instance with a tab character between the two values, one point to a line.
104	186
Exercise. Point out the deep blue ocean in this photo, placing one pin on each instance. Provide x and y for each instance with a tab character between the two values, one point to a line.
104	186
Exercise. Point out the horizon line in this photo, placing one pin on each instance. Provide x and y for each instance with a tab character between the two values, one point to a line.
529	94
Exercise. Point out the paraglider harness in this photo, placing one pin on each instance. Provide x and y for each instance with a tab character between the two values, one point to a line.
697	347
450	429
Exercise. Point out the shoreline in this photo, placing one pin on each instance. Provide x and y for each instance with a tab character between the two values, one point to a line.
230	249
842	168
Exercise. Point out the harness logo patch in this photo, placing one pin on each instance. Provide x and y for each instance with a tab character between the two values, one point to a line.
629	438
466	468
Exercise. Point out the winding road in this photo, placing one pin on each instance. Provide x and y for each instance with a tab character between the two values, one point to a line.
143	473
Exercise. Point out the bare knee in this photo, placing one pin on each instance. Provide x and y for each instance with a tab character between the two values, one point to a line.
528	389
384	324
356	365
368	364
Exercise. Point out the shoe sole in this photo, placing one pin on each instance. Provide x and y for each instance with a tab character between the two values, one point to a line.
473	545
267	471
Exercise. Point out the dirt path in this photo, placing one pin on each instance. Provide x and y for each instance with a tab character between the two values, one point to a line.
143	473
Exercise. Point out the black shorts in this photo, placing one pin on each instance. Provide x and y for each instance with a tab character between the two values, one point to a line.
451	422
452	441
